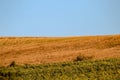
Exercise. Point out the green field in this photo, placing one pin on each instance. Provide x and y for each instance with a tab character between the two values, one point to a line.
107	69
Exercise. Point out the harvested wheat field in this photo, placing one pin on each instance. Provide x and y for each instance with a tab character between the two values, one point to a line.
40	50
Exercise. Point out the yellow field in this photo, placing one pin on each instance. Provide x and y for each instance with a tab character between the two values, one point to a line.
37	50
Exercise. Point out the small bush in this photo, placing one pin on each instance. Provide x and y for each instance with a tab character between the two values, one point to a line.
82	57
13	64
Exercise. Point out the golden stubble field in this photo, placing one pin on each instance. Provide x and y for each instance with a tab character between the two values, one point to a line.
41	50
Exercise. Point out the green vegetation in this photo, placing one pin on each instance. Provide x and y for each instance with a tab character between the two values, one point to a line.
108	69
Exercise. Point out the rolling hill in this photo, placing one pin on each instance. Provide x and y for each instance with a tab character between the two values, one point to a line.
41	50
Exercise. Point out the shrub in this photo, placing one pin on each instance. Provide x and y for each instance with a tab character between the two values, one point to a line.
13	64
82	57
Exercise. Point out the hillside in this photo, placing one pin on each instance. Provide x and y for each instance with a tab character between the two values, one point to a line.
40	50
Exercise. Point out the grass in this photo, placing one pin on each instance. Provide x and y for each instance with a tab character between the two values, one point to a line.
41	50
108	69
60	58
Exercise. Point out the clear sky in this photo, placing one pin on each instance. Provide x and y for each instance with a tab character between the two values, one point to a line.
59	17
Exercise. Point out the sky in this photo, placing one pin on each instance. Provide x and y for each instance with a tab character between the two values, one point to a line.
59	17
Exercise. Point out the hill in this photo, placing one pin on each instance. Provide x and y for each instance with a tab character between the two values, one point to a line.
41	50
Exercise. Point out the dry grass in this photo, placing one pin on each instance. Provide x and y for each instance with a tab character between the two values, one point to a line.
37	50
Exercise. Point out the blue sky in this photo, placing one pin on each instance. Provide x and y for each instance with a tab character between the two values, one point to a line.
59	17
